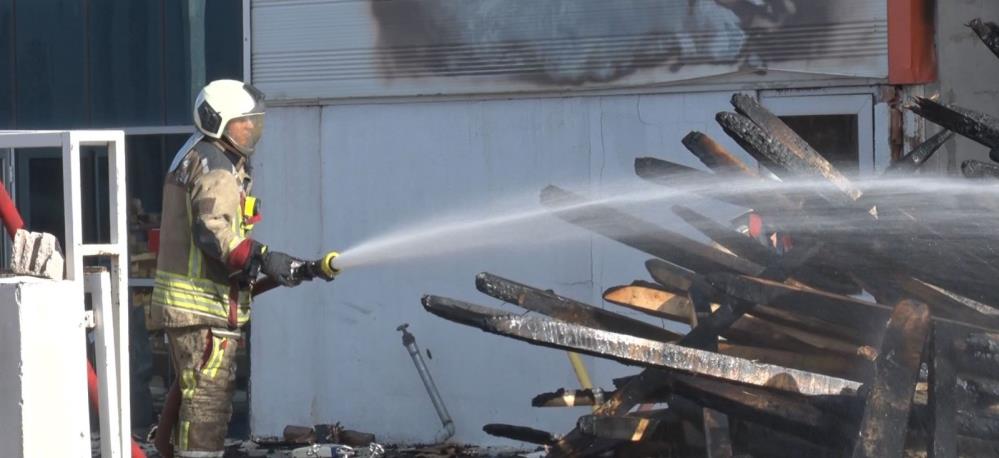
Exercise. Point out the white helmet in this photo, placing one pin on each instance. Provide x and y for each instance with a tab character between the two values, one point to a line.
232	111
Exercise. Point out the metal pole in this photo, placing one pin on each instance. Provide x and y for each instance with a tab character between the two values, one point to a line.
409	341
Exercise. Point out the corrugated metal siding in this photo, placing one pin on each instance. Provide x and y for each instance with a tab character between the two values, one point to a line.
358	48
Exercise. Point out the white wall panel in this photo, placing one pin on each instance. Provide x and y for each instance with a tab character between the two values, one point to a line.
332	177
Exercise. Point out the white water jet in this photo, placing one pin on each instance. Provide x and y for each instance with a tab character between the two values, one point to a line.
955	208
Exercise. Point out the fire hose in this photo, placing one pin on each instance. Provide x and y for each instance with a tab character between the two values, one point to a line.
12	222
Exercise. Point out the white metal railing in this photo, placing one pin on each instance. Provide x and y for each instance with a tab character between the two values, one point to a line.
109	293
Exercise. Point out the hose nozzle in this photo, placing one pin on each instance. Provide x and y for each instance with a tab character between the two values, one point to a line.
326	266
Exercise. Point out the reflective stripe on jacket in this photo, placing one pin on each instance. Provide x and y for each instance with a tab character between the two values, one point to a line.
202	221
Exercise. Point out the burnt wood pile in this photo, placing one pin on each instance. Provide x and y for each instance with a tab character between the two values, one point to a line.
782	358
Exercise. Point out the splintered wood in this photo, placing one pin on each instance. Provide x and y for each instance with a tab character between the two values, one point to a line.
782	357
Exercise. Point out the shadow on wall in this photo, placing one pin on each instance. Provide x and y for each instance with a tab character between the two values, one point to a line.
571	42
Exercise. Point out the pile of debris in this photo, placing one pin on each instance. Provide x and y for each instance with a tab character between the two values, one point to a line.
782	358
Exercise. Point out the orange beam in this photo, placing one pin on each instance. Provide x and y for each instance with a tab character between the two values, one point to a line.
911	55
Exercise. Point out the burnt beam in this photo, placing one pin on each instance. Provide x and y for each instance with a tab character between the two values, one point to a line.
979	127
642	235
978	169
520	433
715	156
789	413
988	32
803	159
867	317
570	398
624	428
919	155
889	399
666	356
942	399
565	309
668	173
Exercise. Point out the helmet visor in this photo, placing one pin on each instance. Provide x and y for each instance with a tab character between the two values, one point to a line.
244	132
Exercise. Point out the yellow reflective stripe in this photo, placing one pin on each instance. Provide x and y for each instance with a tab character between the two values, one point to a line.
185	431
166	298
210	294
207	289
199	263
243	314
215	362
187	384
197	298
202	282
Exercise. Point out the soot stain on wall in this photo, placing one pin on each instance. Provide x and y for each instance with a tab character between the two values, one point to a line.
572	42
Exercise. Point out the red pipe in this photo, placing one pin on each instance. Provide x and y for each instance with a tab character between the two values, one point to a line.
12	222
137	451
8	212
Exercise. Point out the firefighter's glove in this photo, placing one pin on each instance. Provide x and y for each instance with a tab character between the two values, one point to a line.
281	267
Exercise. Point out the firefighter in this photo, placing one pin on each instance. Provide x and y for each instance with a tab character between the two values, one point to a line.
207	264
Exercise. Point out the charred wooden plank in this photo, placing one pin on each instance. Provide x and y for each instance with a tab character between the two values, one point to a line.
650	299
978	393
635	350
988	32
942	393
944	304
975	424
787	413
982	343
642	235
674	278
808	324
919	155
667	173
653	168
884	424
717	435
852	368
841	310
971	446
867	317
569	398
715	156
565	309
707	324
979	127
803	159
764	440
520	433
977	353
978	169
765	326
670	173
979	307
778	157
551	333
624	428
462	312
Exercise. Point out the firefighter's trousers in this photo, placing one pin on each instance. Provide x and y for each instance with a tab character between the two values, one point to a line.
205	360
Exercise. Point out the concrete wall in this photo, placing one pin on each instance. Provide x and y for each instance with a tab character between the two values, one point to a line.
324	353
967	74
43	385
